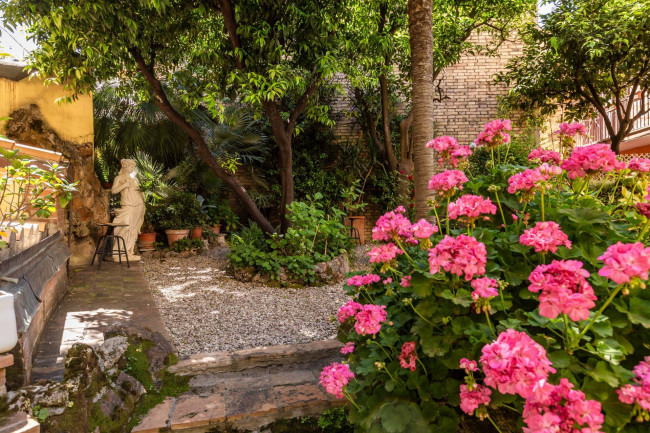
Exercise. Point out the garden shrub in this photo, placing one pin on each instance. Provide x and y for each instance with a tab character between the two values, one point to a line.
315	235
531	300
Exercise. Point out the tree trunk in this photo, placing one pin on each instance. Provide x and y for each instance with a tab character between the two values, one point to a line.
421	42
203	150
385	117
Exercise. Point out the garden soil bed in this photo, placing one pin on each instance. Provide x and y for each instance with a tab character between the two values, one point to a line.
206	310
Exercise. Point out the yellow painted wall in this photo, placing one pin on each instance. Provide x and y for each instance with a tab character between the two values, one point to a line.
71	121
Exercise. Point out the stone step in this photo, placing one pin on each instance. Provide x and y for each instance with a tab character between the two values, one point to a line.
217	402
257	357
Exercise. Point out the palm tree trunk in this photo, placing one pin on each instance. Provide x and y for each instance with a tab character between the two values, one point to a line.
421	42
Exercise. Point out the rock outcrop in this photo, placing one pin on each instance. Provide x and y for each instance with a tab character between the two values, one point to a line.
90	203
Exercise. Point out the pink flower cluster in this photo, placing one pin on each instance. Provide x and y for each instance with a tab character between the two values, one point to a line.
472	399
639	392
514	363
572	129
350	309
408	356
384	253
423	229
564	289
643	209
347	348
468	365
561	409
406	281
494	133
445	184
463	255
391	225
471	207
543	155
369	319
641	165
623	262
531	180
484	288
335	377
363	280
545	237
449	150
591	159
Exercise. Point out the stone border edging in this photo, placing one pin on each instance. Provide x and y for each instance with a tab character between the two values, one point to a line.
218	362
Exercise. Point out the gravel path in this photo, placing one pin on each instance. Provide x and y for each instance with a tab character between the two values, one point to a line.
206	310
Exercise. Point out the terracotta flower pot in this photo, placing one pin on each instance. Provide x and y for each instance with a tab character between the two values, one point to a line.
146	241
196	233
174	235
359	223
107	185
216	229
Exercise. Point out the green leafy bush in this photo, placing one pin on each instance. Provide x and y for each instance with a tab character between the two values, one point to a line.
422	310
315	235
186	244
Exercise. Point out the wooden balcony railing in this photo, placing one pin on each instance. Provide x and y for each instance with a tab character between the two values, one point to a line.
597	131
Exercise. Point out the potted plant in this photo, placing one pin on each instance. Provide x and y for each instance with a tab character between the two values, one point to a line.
203	217
147	236
353	207
180	215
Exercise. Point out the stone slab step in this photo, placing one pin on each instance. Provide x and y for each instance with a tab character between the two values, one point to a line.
257	357
241	404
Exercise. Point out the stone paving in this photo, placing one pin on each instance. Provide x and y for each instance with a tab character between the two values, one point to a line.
95	300
247	389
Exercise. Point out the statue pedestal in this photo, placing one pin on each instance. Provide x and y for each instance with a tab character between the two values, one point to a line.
117	259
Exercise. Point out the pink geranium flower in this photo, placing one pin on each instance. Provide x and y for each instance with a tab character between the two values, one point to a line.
363	280
589	160
529	181
369	319
468	365
571	129
543	155
472	399
623	262
640	165
335	377
494	133
423	229
347	348
639	392
514	363
446	184
350	309
406	281
545	237
469	207
484	288
562	409
384	253
564	289
392	225
463	255
460	155
408	356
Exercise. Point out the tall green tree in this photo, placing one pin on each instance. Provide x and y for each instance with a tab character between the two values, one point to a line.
383	76
180	55
586	57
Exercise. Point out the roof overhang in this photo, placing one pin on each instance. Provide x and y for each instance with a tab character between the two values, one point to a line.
13	70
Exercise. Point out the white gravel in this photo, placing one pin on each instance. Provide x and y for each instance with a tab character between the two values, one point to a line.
206	310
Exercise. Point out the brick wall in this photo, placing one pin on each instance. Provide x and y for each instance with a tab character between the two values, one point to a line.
472	95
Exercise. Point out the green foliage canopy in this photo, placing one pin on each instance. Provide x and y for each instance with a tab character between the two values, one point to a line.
586	56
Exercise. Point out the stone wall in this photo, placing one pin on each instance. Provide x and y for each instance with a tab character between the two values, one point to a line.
90	202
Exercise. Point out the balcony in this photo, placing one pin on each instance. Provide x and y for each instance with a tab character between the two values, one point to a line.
638	141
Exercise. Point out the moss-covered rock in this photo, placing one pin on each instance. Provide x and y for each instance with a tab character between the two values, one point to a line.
107	389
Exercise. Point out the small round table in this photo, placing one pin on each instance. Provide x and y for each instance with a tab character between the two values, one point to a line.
107	238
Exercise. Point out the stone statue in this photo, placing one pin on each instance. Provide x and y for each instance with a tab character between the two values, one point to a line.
131	211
